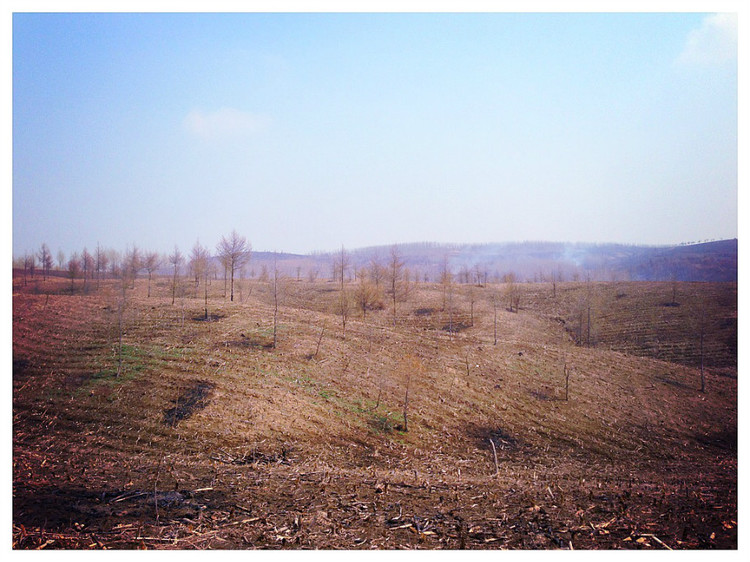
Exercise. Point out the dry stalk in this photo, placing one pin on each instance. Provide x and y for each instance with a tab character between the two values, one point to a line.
494	454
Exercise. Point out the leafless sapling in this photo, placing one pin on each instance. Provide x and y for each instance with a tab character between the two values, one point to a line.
132	263
199	266
365	295
234	252
151	262
102	260
411	366
74	268
494	320
376	271
395	276
29	265
45	260
341	263
277	289
176	260
87	266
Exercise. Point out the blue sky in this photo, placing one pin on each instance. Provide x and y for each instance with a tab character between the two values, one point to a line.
308	131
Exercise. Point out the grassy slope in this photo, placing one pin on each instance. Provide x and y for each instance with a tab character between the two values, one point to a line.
338	412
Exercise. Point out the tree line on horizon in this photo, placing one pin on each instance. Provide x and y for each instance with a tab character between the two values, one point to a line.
232	253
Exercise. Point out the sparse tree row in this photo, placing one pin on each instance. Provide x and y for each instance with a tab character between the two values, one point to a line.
84	268
362	286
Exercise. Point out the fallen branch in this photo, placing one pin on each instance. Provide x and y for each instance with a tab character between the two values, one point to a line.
657	539
126	497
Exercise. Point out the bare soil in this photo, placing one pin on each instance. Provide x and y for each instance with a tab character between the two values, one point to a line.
210	437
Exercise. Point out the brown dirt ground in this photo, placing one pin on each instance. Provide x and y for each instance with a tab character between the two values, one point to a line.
210	438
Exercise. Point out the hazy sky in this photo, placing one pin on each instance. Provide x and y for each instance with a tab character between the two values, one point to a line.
305	132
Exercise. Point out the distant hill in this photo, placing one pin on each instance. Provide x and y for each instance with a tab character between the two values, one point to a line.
711	261
530	261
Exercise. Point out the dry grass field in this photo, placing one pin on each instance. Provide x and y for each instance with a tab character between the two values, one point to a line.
197	433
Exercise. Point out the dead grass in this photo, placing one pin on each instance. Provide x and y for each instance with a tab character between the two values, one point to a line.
297	449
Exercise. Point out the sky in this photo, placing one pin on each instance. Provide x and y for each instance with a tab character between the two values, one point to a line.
308	131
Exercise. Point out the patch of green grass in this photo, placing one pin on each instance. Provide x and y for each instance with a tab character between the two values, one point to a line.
135	361
326	394
383	423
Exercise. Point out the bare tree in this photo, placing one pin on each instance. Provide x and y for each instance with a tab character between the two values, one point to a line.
446	280
60	259
494	311
410	367
74	268
151	262
132	264
277	289
472	300
340	265
115	265
376	271
395	275
28	265
199	258
45	260
234	252
512	291
176	260
366	296
102	261
87	265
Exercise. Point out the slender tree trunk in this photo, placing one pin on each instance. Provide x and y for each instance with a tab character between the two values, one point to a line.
494	308
450	311
231	285
275	303
225	282
205	297
320	339
120	306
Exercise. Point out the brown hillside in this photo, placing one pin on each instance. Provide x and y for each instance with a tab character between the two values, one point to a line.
210	437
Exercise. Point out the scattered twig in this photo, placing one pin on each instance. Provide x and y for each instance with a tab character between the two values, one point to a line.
657	539
126	496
